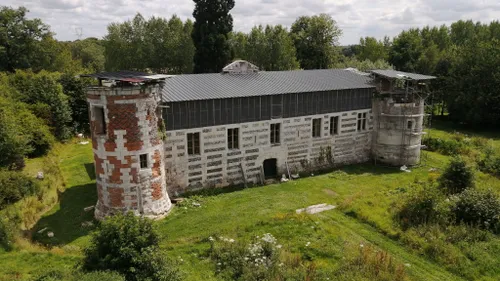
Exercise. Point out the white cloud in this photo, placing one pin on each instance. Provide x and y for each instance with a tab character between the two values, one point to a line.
357	18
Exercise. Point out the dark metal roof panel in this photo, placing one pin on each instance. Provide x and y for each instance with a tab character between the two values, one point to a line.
219	86
127	76
389	73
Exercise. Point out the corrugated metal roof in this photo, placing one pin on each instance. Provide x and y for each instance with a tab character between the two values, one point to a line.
127	76
400	74
219	86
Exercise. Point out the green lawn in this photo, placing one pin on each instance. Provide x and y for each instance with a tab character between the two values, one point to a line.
365	196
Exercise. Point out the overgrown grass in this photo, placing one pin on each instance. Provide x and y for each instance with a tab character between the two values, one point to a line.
365	196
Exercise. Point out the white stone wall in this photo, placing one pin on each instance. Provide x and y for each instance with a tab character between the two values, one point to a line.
218	166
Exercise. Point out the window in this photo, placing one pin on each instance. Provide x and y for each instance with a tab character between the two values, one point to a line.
361	121
232	138
275	133
316	131
334	125
100	120
410	125
143	159
193	143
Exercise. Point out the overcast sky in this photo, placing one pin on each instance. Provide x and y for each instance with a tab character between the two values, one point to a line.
357	18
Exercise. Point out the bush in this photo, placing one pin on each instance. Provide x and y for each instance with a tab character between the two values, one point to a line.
478	208
446	147
457	176
57	275
128	244
14	186
261	259
489	162
6	234
422	205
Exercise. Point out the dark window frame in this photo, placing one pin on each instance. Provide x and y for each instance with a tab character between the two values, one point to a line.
100	118
233	137
275	133
334	125
316	127
362	121
143	161
193	143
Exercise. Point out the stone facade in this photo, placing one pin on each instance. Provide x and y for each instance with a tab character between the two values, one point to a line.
398	130
217	166
128	151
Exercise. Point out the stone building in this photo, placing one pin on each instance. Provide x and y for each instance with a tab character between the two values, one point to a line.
160	135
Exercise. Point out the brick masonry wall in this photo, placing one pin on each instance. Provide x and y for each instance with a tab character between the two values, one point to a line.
218	166
131	119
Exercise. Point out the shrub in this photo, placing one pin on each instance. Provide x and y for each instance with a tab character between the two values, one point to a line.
6	234
489	162
423	204
479	208
261	259
15	186
58	275
129	245
446	147
457	176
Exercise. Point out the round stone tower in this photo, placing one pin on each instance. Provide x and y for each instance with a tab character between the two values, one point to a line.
398	129
399	112
127	138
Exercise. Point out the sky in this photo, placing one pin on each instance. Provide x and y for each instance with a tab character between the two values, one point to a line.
71	19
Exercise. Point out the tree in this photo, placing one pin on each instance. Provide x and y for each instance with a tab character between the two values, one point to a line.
74	89
90	52
365	65
128	245
315	39
22	134
20	39
238	42
155	44
406	50
43	91
372	49
211	29
473	84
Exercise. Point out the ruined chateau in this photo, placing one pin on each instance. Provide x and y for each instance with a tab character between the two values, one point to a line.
157	136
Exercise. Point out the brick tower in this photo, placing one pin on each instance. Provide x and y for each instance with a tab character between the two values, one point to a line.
127	138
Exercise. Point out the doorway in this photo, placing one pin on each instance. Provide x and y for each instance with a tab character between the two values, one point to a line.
270	168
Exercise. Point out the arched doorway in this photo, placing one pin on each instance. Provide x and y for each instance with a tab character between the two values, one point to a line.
270	168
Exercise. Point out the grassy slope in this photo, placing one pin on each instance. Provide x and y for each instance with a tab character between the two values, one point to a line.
271	209
64	219
364	195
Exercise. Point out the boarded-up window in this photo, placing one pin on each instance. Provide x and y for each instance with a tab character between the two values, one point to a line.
275	133
193	140
316	128
232	138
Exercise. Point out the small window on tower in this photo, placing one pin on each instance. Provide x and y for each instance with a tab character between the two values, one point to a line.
143	159
100	120
410	125
361	121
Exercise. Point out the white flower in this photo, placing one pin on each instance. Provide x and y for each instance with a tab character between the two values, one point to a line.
231	240
308	243
361	245
218	263
211	238
279	246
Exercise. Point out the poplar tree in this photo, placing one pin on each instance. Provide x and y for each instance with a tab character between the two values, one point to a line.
211	29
